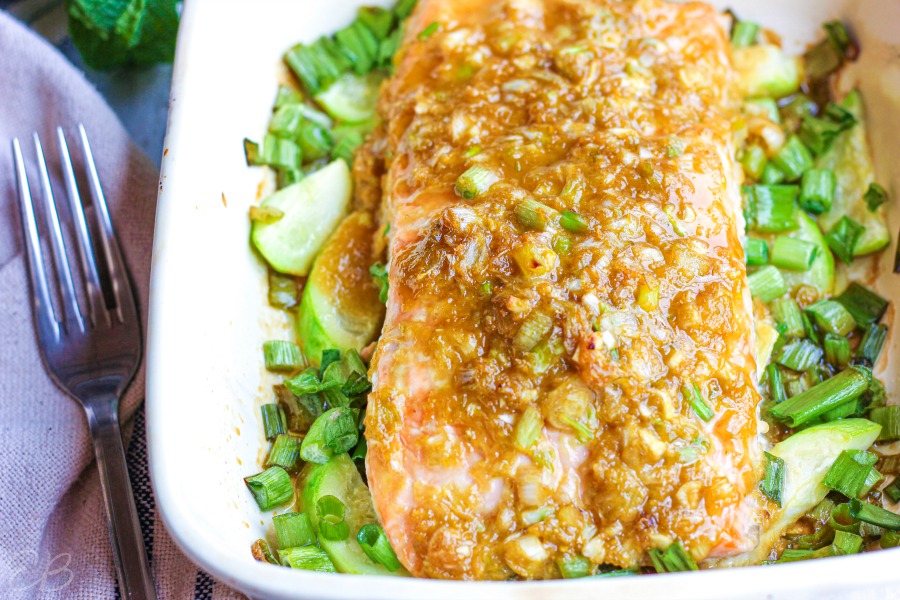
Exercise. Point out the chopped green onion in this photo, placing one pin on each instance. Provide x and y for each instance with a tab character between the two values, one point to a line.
754	161
874	515
767	284
846	386
875	196
817	190
849	472
315	142
426	33
799	355
404	8
837	350
308	382
776	385
528	429
831	316
572	221
744	34
795	554
346	145
843	237
474	182
270	488
810	330
819	133
773	207
389	46
332	526
573	566
771	175
308	558
261	552
285	177
772	484
280	152
890	539
375	544
756	252
764	106
893	490
561	245
870	346
889	419
359	452
281	355
532	214
293	529
285	453
866	307
799	106
820	538
788	317
251	153
841	520
379	273
691	393
673	560
274	423
793	159
330	355
378	20
287	95
335	432
359	46
793	254
847	543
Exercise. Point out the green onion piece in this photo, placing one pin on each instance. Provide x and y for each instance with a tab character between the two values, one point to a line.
426	33
875	196
404	8
308	382
840	39
375	544
315	141
287	95
846	386
744	34
870	346
572	221
332	526
287	120
474	182
274	422
820	538
893	490
788	317
793	254
847	543
261	552
848	409
849	472
799	355
841	520
837	350
281	355
771	175
285	453
378	20
822	60
691	393
307	558
821	511
819	133
532	214
796	387
330	355
573	566
890	539
873	479
874	515
767	107
754	161
561	245
673	560
251	153
767	284
776	385
810	330
793	159
843	237
389	46
346	146
265	214
528	429
756	252
889	419
280	152
359	46
773	207
831	316
285	177
798	107
772	484
817	190
293	529
380	274
866	307
270	488
795	554
335	432
301	62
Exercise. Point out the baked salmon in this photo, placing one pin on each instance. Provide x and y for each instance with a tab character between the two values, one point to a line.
566	369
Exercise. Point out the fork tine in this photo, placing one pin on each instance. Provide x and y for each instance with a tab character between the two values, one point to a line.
40	292
117	272
85	248
72	316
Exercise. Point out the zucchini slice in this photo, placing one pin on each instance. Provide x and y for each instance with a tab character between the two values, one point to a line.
352	98
765	70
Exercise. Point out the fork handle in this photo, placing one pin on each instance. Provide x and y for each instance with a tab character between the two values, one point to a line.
132	568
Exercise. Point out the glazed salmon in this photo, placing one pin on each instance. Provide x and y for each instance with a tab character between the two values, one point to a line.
565	370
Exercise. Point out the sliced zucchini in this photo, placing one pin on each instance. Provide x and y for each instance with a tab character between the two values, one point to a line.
338	477
311	208
851	161
352	97
340	306
765	70
821	273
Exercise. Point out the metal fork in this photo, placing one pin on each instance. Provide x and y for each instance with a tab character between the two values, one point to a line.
92	358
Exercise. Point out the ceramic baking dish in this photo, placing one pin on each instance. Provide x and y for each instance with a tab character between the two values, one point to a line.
209	315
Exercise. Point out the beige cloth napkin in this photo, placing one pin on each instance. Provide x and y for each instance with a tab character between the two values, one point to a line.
53	535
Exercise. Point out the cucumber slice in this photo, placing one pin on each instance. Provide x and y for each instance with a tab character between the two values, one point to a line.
851	160
340	306
352	98
338	477
765	70
312	209
820	274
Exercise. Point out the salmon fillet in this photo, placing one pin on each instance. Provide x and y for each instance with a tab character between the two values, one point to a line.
535	389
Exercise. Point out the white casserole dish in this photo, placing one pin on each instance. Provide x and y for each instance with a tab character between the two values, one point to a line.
209	315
